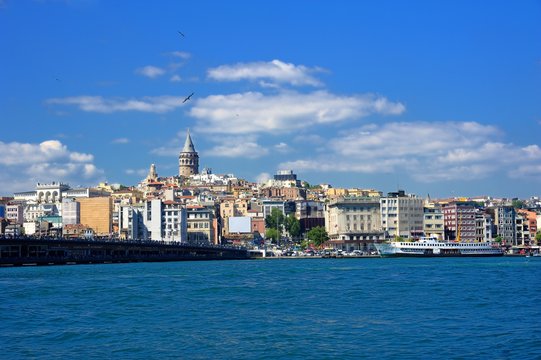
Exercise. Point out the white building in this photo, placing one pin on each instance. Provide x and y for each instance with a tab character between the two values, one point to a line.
70	212
174	221
15	213
353	223
206	177
131	223
402	215
483	227
154	220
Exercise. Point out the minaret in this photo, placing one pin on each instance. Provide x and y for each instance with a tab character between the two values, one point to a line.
152	175
188	159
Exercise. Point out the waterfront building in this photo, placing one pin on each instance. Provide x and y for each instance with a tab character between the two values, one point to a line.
521	230
131	222
174	221
505	222
14	229
433	224
96	213
231	208
484	224
402	215
188	159
29	228
354	223
15	213
531	218
32	211
200	224
161	221
310	214
77	231
459	221
71	212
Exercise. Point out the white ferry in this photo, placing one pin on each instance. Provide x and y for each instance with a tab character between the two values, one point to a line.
431	247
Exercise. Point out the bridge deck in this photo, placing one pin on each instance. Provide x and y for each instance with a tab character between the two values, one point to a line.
51	251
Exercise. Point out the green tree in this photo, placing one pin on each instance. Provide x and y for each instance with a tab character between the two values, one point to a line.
538	238
293	226
275	220
272	234
498	239
317	235
518	204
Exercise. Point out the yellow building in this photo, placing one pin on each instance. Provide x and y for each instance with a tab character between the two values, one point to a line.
97	213
336	192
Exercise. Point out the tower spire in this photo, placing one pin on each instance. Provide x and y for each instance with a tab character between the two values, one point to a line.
188	144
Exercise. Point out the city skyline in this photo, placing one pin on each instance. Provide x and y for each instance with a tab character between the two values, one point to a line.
438	99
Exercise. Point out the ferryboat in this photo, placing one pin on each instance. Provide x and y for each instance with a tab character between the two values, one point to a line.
431	247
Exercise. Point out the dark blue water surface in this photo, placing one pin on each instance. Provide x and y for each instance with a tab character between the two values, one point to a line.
275	309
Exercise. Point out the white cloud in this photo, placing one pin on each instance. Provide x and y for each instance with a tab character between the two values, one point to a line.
24	164
78	157
175	78
121	141
23	153
180	54
158	104
274	71
237	147
282	148
168	150
138	172
173	147
428	152
253	112
262	178
150	71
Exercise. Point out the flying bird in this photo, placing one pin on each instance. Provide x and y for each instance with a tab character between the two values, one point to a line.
187	98
181	34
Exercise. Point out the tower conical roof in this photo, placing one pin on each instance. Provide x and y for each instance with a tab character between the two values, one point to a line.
188	145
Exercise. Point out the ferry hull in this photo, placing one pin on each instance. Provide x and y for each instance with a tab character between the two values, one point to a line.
439	255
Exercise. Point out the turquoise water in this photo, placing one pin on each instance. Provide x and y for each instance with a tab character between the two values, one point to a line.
483	308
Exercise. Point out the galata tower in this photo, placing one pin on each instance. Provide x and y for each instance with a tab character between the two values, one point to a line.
188	159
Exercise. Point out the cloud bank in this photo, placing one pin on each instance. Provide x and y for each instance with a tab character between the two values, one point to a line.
428	152
255	112
24	164
158	104
274	71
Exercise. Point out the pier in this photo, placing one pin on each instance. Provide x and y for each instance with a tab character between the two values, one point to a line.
19	251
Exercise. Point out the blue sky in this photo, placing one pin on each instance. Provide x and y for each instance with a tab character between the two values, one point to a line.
434	97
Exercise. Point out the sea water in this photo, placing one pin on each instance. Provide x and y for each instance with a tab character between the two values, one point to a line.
449	308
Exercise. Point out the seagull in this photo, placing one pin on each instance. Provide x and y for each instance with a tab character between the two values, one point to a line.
187	98
181	34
